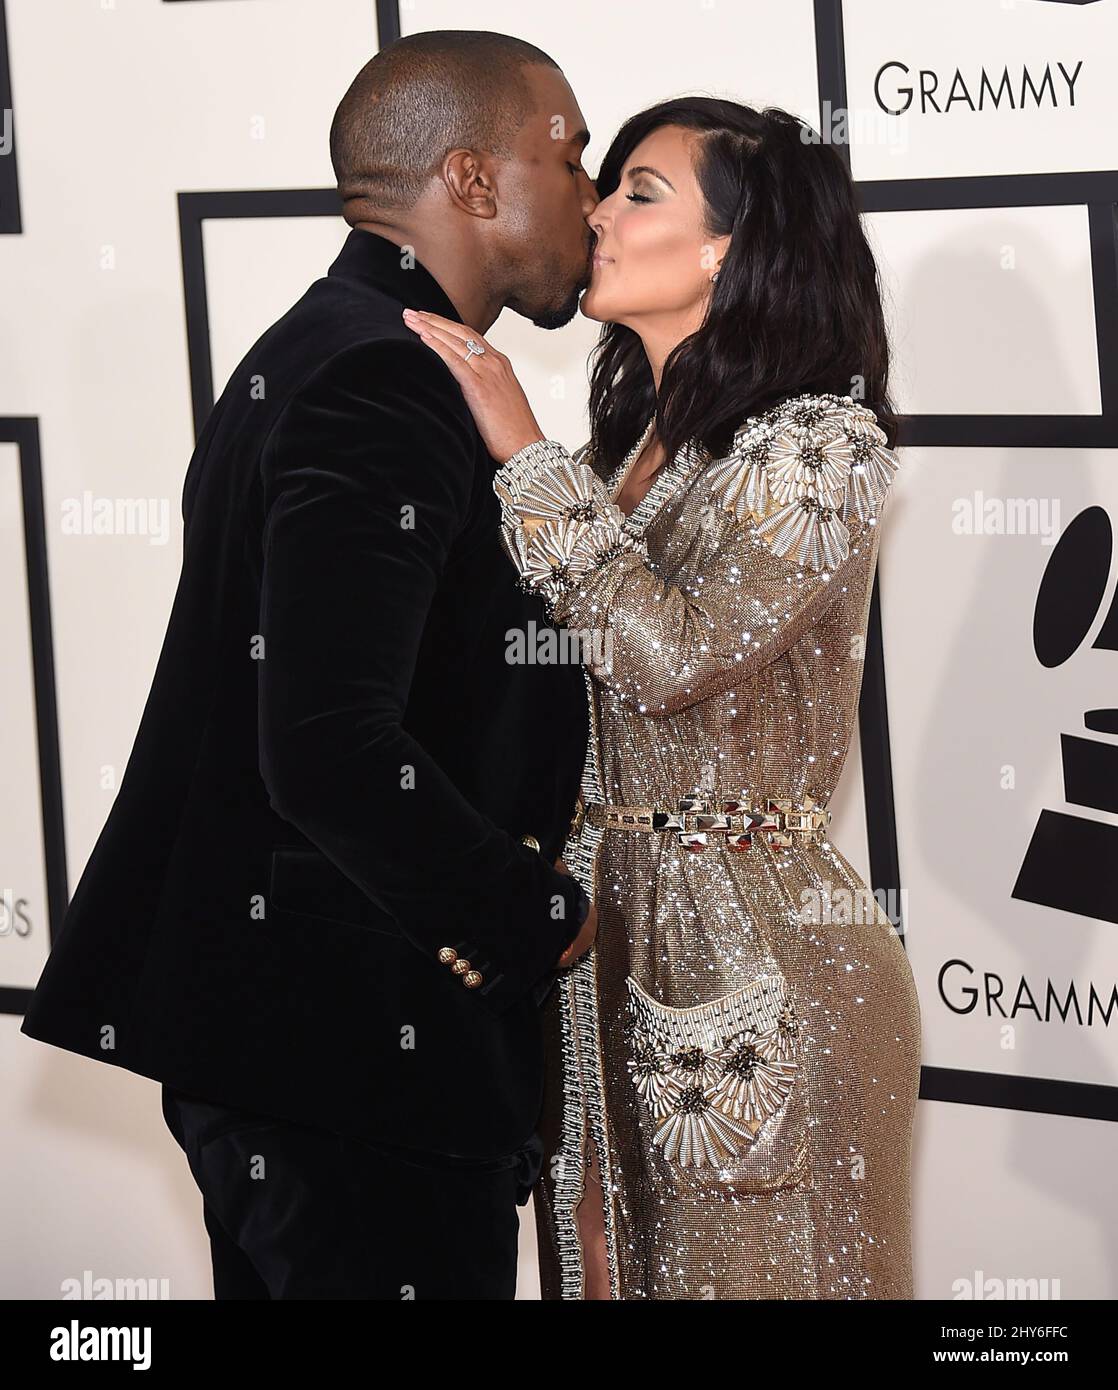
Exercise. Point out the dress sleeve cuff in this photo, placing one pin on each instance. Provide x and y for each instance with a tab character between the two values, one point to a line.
558	522
528	463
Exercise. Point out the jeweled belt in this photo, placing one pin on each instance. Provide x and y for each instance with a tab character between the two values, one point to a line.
731	824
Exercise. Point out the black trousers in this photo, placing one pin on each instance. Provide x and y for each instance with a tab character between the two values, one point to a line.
297	1212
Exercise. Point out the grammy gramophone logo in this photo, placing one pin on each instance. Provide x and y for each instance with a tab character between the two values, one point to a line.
1072	861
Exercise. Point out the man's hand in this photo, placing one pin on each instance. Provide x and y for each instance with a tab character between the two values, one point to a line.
586	934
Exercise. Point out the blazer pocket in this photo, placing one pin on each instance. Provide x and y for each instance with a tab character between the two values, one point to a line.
307	883
721	1091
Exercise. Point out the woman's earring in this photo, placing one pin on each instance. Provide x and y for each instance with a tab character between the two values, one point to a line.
714	277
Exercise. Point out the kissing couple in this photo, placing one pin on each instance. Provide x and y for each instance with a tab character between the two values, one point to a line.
408	931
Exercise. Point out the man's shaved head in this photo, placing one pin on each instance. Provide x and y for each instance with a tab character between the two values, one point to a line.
417	99
466	147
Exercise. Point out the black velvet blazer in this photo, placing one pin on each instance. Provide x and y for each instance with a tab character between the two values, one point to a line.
337	761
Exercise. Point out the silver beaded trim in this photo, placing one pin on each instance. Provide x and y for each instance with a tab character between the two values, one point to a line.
583	1084
518	470
662	490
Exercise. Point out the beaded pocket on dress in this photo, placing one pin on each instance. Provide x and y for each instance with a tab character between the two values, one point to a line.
720	1086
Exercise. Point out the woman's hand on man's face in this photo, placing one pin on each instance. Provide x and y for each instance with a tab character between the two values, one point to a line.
496	399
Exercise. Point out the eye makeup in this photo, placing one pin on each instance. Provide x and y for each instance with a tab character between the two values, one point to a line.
655	173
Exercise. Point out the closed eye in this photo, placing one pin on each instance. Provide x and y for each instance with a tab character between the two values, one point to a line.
637	198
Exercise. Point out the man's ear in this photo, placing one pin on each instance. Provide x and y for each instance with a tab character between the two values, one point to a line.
471	182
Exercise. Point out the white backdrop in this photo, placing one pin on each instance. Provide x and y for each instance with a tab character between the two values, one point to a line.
994	308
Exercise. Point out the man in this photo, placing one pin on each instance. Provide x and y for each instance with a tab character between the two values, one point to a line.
323	910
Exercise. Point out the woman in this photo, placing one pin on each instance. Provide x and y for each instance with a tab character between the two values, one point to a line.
735	1064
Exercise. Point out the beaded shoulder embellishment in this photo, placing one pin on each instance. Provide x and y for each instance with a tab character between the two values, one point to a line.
801	470
712	1074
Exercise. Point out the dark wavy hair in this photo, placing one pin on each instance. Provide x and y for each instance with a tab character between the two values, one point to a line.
796	306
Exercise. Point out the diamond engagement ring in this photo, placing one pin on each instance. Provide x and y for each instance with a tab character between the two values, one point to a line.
473	348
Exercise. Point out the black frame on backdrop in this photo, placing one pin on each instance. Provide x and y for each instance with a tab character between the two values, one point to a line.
1097	190
196	208
23	432
11	221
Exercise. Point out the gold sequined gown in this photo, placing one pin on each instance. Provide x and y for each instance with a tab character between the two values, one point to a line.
742	1045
